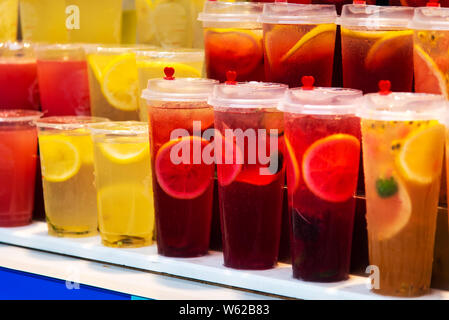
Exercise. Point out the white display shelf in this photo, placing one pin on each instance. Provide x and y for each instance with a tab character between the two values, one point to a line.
209	268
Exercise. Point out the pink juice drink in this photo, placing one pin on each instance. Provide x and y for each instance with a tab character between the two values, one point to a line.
322	138
18	77
249	130
18	147
63	80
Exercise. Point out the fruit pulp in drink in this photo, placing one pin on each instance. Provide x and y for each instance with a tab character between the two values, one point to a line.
234	49
68	182
183	192
323	154
113	85
18	84
402	164
431	62
18	147
369	56
294	51
124	190
64	88
250	199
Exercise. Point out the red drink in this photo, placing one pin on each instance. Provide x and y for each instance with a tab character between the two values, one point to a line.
323	151
233	40
250	200
63	80
18	79
299	40
18	147
183	192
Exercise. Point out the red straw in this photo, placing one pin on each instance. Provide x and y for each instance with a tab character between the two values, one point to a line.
384	87
433	3
169	72
307	82
230	77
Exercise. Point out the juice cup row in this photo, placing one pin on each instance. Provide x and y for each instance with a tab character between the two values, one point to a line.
281	42
252	136
80	79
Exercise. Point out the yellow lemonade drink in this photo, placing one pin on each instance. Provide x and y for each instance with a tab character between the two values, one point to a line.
43	20
66	154
129	22
188	63
124	183
403	145
100	21
8	20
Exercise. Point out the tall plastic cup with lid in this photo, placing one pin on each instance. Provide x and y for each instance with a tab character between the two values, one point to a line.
431	38
403	143
18	148
376	44
250	157
181	126
233	40
322	139
299	40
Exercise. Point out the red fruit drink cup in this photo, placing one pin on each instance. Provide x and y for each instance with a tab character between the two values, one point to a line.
376	45
250	169
182	180
322	147
233	40
18	148
18	76
299	40
63	80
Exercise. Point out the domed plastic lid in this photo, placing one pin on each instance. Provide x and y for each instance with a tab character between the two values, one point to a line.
320	100
178	89
430	18
246	94
217	11
401	106
19	115
292	13
375	17
68	122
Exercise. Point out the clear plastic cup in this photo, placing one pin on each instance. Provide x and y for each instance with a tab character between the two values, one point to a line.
403	145
67	163
18	148
377	44
123	183
431	43
179	117
322	138
299	40
63	80
233	40
250	157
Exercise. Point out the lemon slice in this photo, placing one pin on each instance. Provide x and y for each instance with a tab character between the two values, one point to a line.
124	153
60	158
155	69
363	34
120	82
98	64
413	159
312	34
145	25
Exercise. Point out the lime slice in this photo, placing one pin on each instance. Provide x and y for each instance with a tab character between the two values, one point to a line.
155	69
120	82
319	30
428	77
414	161
60	159
123	152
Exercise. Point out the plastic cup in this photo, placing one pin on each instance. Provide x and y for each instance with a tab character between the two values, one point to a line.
299	40
63	80
250	169
18	76
376	44
8	22
233	40
183	182
18	148
403	144
123	183
322	138
67	163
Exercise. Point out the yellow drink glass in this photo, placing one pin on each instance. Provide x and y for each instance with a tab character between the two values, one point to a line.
8	20
66	154
124	183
